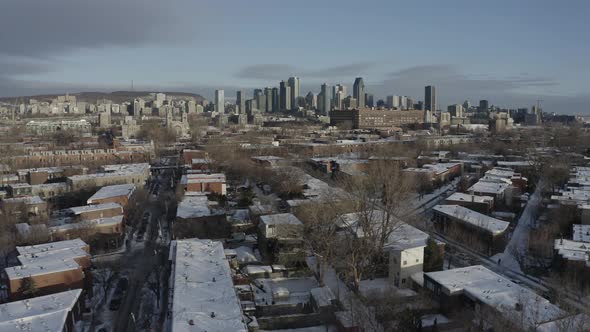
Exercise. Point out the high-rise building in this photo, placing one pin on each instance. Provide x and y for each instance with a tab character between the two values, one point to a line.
219	101
275	99
430	98
409	103
350	103
369	102
466	105
483	105
268	97
294	85
311	100
391	101
456	110
402	102
160	97
260	100
241	102
285	96
359	91
325	106
338	95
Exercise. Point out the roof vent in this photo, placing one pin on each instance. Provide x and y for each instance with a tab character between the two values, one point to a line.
191	322
212	314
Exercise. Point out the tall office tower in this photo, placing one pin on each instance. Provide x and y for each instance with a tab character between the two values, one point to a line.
410	104
456	110
260	100
350	103
241	102
275	99
358	92
285	96
311	100
294	85
430	98
390	101
369	101
339	100
403	100
256	92
466	105
219	101
268	101
483	106
325	107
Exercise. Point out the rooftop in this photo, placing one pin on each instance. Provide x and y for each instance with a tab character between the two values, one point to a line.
280	219
38	314
492	225
204	298
489	187
112	191
481	284
581	233
194	207
96	207
462	197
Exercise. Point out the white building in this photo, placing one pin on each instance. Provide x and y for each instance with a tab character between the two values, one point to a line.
202	290
219	101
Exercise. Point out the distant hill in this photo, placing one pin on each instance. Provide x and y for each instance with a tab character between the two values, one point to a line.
115	96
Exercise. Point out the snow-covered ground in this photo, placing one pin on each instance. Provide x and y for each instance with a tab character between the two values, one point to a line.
517	247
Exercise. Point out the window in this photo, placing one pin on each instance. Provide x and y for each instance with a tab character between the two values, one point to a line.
405	262
417	260
403	281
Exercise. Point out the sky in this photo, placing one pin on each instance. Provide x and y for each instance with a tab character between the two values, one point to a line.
510	52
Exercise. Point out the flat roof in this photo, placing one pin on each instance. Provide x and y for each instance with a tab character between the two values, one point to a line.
489	187
42	313
573	250
204	298
95	207
112	191
193	207
492	225
462	197
581	233
481	284
280	219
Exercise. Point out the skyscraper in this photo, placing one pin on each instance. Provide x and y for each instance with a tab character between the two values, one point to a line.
325	107
219	101
483	105
311	100
359	92
241	102
369	101
260	100
275	99
294	85
430	98
268	97
285	96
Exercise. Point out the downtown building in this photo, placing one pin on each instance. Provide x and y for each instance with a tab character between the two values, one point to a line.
376	119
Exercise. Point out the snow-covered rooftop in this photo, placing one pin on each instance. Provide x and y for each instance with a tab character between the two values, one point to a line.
96	207
581	233
573	250
492	225
64	226
193	207
30	200
37	248
487	187
462	197
280	219
204	298
481	284
38	314
112	191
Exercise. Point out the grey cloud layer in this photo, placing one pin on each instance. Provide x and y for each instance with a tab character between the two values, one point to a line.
282	71
39	28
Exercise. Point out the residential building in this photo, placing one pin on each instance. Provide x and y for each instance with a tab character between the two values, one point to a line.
481	204
205	183
479	231
119	194
196	216
136	174
53	267
202	290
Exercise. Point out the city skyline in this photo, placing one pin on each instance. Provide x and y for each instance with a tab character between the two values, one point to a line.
522	53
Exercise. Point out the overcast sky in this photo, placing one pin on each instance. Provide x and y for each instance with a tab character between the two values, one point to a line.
509	52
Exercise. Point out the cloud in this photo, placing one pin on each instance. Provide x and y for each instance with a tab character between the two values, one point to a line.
267	71
41	28
282	71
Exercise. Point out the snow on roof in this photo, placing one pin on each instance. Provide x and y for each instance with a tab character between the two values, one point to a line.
518	163
573	250
280	219
489	187
581	233
462	197
441	167
96	207
256	269
204	298
114	170
403	236
47	258
501	172
492	225
481	284
109	221
30	200
267	158
38	314
193	207
285	290
112	191
245	255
